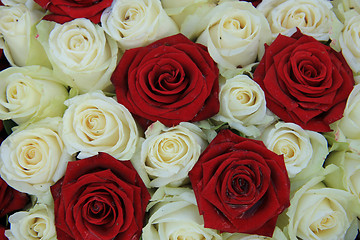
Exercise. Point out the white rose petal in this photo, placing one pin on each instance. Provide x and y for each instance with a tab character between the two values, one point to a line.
30	93
32	159
317	212
168	154
312	17
349	40
236	34
80	52
243	106
304	151
16	21
95	123
174	215
37	223
137	23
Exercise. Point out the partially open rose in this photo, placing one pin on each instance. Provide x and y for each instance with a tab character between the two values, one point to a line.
240	185
305	81
100	198
172	80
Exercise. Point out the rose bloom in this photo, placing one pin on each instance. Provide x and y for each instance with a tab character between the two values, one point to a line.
172	80
99	198
10	199
64	10
235	29
32	159
305	81
95	123
16	36
30	93
240	185
137	23
243	106
168	154
304	151
343	6
322	213
80	52
36	223
174	215
349	40
313	17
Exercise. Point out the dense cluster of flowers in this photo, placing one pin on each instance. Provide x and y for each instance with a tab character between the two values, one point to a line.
167	119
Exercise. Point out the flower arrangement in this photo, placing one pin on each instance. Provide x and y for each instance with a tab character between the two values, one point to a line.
194	119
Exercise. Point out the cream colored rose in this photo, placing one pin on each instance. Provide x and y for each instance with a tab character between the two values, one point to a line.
137	23
343	6
32	159
318	212
304	151
349	40
174	215
95	123
243	106
191	16
277	235
30	94
168	154
348	173
37	223
348	127
17	36
312	17
235	34
80	52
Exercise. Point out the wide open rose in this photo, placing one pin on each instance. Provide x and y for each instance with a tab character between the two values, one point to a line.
240	185
99	198
305	81
66	10
172	80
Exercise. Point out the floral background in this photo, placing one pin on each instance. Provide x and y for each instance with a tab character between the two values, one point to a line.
193	119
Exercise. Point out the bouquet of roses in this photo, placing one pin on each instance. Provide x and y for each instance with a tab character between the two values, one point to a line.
193	119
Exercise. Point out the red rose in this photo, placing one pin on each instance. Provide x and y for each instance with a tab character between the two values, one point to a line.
305	81
172	80
2	233
99	198
10	199
240	185
66	10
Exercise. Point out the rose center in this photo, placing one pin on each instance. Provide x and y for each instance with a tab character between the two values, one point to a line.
94	123
37	227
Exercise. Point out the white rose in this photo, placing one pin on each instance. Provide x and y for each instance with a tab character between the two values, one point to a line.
174	215
32	159
190	15
30	94
168	154
318	212
304	151
37	223
137	23
313	17
349	40
243	106
347	174
348	127
277	235
17	36
343	6
95	123
80	53
236	34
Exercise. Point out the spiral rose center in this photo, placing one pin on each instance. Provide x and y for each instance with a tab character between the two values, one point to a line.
78	42
130	16
235	23
171	150
94	123
37	227
244	97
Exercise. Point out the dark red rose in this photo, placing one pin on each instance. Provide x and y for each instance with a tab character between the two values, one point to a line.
240	185
11	200
66	10
99	198
2	233
305	81
172	80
